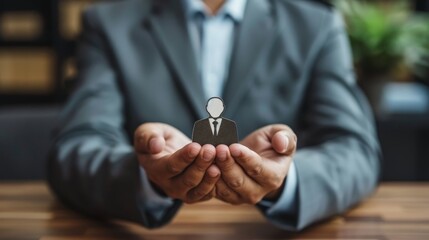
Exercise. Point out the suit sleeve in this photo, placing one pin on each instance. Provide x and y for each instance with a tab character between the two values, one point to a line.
337	163
92	165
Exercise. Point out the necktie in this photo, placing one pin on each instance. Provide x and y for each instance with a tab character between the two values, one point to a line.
215	127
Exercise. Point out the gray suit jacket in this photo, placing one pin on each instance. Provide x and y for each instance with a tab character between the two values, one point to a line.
227	133
291	64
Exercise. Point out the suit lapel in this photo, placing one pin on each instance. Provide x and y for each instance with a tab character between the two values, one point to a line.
209	128
170	31
255	34
221	130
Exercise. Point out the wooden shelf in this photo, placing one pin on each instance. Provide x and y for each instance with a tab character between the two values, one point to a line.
37	42
70	17
21	26
26	70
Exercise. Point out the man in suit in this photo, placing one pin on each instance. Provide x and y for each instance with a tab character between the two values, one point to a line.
145	70
215	130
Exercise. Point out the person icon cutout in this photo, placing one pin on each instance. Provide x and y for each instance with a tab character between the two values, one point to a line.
215	129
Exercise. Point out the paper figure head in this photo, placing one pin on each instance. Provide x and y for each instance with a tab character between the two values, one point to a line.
215	107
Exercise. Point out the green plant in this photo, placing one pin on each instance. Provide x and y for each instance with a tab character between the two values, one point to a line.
385	37
415	42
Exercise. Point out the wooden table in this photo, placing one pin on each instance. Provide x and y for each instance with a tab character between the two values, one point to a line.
395	211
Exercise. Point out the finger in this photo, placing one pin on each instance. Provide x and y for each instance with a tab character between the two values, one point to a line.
250	161
149	138
224	193
178	161
284	142
265	173
204	191
194	174
209	196
234	176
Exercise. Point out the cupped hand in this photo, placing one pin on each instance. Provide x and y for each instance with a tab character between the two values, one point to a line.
257	167
181	169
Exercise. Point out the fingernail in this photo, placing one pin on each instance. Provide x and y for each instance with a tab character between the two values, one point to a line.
286	144
213	172
221	156
152	143
235	152
207	156
193	153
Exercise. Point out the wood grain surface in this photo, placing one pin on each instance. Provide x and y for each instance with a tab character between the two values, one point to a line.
395	211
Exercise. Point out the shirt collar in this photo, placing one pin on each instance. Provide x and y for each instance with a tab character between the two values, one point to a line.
219	119
232	8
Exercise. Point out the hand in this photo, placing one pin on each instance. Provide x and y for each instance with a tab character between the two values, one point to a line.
183	170
256	168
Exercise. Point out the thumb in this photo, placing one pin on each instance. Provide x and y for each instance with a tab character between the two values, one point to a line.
149	138
283	142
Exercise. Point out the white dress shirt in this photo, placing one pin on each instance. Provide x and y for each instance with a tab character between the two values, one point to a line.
219	122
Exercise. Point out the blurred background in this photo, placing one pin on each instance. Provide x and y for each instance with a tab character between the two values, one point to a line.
390	42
